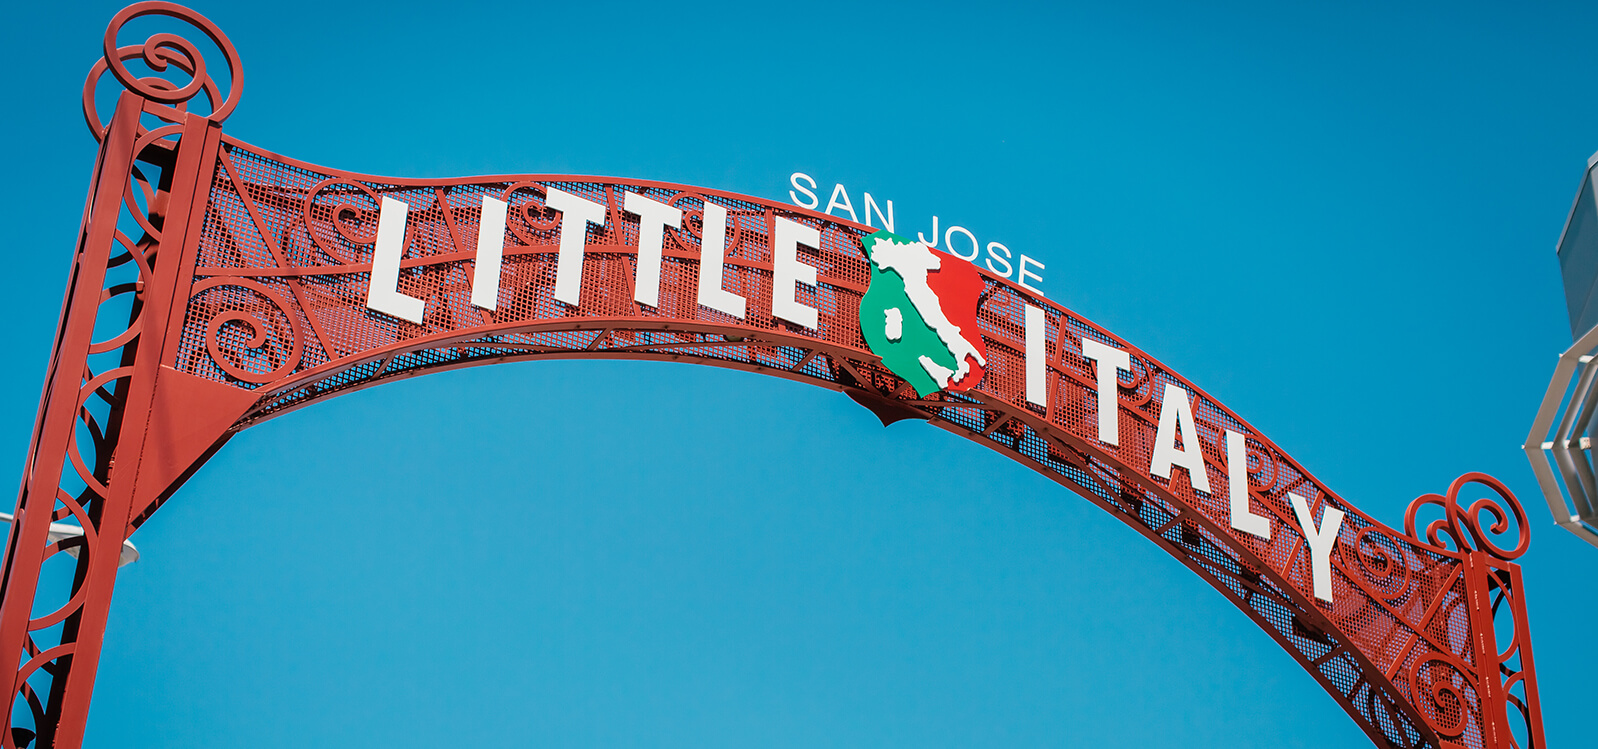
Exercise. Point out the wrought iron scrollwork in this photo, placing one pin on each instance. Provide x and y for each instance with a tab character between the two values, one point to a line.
1460	527
1385	565
160	53
273	344
1444	693
341	217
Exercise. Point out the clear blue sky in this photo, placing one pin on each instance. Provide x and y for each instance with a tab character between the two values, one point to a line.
1337	219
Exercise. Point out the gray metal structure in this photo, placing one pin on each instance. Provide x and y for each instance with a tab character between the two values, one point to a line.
1560	443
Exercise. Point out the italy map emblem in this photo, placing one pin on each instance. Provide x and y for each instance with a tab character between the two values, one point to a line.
920	314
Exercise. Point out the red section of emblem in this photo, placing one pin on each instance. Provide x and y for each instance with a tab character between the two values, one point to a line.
958	284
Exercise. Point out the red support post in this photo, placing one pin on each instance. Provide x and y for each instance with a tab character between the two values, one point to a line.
1493	584
104	507
190	185
58	410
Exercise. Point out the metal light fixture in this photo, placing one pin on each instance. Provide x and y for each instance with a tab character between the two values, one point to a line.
58	531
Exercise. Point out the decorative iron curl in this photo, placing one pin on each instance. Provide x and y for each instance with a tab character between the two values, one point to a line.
280	344
1448	696
159	52
1462	525
356	224
535	218
690	235
1384	564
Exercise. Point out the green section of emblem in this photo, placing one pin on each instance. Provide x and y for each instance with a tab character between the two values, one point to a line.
886	310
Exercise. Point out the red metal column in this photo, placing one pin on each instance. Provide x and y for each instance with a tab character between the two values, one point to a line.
104	510
105	418
1501	667
189	187
58	410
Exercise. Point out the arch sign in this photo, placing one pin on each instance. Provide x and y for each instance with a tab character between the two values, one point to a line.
217	285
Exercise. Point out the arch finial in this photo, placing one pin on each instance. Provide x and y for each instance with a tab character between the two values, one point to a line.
1462	525
160	53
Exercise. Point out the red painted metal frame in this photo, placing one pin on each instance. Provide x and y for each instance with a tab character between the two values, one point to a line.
242	278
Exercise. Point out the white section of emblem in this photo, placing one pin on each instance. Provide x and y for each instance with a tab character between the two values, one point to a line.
1176	419
490	253
893	325
1110	362
577	213
787	272
653	218
383	294
1243	518
1037	356
1320	542
712	252
913	261
940	374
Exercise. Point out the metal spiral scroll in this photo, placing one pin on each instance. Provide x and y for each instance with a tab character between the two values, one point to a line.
1462	525
244	336
1386	567
1445	693
160	52
333	212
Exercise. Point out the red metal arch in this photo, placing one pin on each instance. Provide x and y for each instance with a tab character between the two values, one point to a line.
249	275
